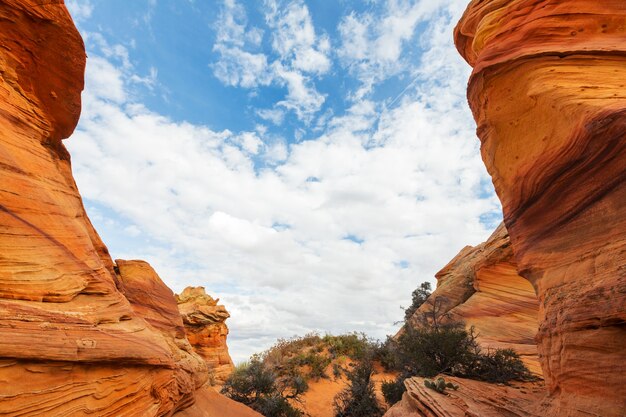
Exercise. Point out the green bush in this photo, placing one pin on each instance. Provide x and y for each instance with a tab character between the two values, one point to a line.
386	353
256	386
358	398
393	390
500	365
438	345
315	361
428	351
353	345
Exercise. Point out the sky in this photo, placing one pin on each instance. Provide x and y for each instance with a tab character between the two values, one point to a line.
309	162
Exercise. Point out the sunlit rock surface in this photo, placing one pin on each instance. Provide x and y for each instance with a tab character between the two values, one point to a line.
206	330
548	96
471	399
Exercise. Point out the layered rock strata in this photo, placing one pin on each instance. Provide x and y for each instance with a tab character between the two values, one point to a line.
481	287
206	330
472	398
78	334
547	92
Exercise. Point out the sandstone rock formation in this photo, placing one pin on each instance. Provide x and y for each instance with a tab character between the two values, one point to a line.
206	330
473	398
481	287
211	404
547	92
76	337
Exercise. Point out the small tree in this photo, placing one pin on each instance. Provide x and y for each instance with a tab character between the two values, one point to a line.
358	398
418	297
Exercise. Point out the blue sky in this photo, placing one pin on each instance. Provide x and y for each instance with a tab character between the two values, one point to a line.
308	162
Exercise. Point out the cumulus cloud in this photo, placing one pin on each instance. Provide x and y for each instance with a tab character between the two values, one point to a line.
328	234
294	37
300	54
372	42
79	9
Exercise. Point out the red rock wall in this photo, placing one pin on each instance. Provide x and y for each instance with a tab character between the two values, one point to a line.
548	96
75	338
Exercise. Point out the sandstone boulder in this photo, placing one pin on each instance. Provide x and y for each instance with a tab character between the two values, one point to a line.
206	330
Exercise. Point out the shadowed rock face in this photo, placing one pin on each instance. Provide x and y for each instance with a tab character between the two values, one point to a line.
206	330
76	337
549	98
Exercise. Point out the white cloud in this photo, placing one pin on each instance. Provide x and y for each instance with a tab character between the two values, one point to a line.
79	9
272	229
240	68
372	43
302	97
301	55
294	37
275	116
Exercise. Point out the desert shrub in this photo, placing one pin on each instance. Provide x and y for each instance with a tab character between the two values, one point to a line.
500	365
316	362
358	398
387	354
276	405
434	344
418	297
336	370
428	351
353	345
256	386
393	390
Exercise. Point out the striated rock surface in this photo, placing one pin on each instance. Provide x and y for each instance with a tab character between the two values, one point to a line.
481	287
76	337
206	330
548	96
211	404
472	399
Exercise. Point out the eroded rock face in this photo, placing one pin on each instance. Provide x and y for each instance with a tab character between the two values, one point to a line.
206	330
481	287
472	398
547	92
75	338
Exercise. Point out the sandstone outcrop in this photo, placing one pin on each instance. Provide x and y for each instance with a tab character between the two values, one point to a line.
206	330
78	334
472	399
481	287
547	92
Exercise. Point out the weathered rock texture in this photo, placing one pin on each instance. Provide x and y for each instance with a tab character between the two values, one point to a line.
206	330
481	287
472	399
76	338
549	98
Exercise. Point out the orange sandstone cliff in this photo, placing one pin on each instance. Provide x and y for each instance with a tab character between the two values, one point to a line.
206	330
79	335
547	92
481	287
